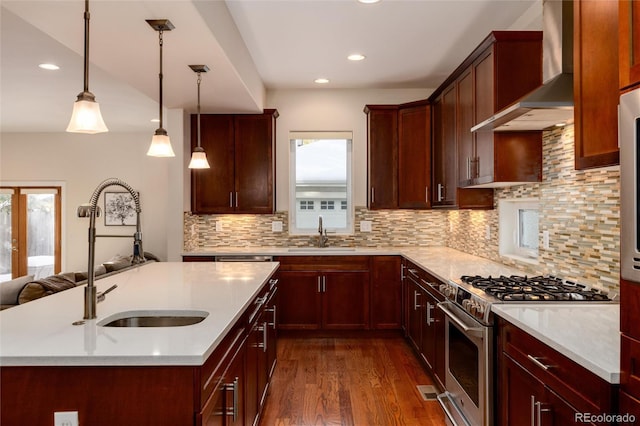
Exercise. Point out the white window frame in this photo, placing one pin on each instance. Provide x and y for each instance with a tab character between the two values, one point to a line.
509	222
294	135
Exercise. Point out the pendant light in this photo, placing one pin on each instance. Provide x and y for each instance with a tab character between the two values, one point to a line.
198	156
86	117
160	143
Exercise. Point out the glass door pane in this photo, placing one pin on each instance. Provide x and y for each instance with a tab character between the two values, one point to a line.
6	243
41	234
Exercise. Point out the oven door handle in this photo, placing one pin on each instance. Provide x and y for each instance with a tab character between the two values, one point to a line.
452	316
445	400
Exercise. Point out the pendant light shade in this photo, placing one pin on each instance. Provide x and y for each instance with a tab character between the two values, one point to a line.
199	157
86	117
160	143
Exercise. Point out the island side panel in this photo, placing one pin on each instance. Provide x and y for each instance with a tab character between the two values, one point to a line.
101	395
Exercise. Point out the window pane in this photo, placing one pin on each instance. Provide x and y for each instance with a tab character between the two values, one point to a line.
321	175
528	228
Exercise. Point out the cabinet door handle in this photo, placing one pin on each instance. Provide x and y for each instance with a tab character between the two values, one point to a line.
537	362
273	310
415	300
319	284
230	199
265	330
426	194
539	411
533	410
373	195
324	283
236	199
430	320
232	411
468	167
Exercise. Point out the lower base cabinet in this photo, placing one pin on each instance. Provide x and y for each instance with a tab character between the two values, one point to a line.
539	386
323	293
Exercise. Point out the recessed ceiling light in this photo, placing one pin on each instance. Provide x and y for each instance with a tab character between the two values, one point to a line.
51	67
561	124
356	57
155	120
321	80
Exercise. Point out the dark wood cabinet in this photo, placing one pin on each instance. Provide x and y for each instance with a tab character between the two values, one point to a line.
595	83
505	66
452	113
399	156
444	149
425	323
536	381
324	292
386	292
241	152
630	347
382	156
629	43
508	65
414	156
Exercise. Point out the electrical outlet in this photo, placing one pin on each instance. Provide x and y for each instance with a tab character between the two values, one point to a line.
65	418
487	232
276	226
218	226
365	226
545	240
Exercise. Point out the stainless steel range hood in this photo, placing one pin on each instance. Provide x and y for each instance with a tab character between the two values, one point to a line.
551	103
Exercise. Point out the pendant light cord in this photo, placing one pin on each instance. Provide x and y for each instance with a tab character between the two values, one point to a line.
87	17
160	78
199	80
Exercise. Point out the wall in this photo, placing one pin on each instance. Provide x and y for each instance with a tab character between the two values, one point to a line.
81	162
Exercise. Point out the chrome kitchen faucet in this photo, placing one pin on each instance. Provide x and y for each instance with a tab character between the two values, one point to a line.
323	239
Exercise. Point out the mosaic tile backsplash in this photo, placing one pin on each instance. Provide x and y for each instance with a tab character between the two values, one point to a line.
579	209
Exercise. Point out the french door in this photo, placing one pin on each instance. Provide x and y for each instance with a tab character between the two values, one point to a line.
30	231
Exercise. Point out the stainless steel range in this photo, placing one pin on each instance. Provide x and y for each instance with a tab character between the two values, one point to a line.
469	335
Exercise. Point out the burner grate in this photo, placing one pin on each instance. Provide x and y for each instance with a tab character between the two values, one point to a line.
534	289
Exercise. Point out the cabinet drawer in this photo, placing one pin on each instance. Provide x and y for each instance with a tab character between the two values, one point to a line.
630	366
580	387
629	406
324	263
212	372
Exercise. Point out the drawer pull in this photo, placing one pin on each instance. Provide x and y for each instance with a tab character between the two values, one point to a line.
537	362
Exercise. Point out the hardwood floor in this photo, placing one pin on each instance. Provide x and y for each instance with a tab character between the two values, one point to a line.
360	381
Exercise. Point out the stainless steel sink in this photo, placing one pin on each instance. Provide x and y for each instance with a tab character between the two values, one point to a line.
160	318
320	249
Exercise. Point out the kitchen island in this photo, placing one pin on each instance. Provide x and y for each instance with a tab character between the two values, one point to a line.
130	375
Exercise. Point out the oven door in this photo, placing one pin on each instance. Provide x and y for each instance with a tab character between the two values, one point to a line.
468	362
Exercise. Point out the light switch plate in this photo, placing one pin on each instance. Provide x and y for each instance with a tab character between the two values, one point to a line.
365	226
218	226
545	240
65	418
276	226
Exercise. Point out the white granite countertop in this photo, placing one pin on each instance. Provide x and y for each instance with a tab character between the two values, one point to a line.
41	332
586	333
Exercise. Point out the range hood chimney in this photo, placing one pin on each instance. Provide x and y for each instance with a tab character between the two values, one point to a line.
551	103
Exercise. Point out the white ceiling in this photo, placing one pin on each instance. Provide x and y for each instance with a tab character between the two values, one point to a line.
250	45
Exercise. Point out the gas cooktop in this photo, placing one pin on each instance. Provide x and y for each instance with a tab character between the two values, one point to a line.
516	288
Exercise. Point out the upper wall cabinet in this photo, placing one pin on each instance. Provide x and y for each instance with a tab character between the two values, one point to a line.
595	82
382	156
240	149
505	67
399	156
629	43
